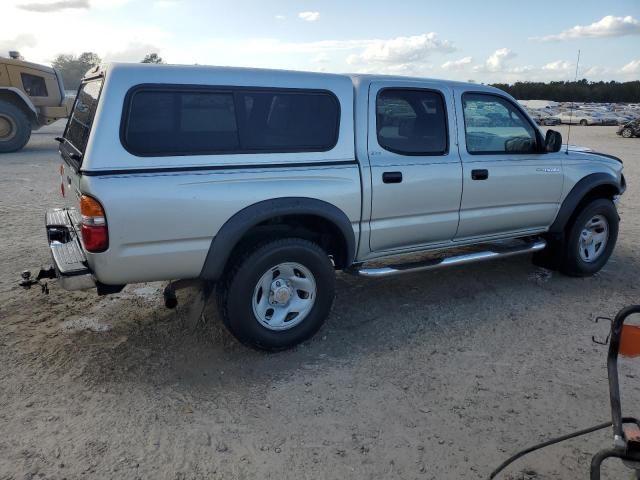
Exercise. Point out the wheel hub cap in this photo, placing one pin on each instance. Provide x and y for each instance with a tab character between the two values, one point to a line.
594	238
5	127
280	292
284	296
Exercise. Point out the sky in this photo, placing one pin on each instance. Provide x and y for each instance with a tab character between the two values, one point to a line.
497	41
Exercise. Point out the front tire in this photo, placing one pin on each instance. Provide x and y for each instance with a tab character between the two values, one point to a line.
590	239
627	133
584	123
15	128
279	295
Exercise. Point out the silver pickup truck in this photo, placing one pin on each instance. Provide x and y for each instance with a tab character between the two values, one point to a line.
262	183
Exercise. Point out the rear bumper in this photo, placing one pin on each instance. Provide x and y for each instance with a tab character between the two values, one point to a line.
69	261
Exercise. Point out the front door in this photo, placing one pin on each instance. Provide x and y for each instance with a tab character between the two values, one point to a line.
416	174
510	185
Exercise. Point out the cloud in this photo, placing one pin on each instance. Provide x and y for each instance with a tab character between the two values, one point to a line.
401	50
309	16
497	60
133	52
280	17
608	26
25	40
44	7
632	67
165	4
460	64
557	66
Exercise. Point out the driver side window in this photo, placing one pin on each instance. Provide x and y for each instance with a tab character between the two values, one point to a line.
494	125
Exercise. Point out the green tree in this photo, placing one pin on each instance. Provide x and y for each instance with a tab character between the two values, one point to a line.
579	91
73	68
152	58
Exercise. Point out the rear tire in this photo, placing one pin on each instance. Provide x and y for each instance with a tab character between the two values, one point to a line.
15	128
278	295
590	239
584	123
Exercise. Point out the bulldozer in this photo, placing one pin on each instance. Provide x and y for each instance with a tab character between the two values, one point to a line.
31	96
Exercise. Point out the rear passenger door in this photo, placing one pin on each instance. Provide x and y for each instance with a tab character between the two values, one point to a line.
416	174
511	186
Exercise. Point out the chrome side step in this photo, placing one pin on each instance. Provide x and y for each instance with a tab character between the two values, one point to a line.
491	251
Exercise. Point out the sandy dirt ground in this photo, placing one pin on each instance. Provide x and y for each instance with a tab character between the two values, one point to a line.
439	375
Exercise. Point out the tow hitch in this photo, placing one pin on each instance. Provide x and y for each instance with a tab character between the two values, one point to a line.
27	281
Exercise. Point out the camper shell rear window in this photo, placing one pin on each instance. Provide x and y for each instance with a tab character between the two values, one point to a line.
76	133
177	120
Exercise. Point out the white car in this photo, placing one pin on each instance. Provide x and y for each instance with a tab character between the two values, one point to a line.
579	118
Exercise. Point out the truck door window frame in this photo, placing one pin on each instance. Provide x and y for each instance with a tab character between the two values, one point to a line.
538	136
445	116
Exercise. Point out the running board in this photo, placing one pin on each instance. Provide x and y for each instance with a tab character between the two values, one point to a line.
494	251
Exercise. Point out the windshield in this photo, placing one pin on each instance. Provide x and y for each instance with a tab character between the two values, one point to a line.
84	109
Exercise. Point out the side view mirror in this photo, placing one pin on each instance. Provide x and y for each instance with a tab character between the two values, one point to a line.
553	141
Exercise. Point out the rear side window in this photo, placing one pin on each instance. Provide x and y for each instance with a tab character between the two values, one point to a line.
34	85
84	109
177	123
279	121
411	122
162	121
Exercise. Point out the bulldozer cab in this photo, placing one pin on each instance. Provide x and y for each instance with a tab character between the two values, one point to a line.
39	82
31	95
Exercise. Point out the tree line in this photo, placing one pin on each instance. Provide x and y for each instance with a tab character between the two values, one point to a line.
72	68
579	91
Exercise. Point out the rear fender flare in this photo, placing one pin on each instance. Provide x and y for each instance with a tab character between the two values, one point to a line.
237	226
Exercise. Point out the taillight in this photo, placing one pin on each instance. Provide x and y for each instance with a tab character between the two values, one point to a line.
93	226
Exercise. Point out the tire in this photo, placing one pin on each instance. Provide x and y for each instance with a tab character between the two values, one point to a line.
584	123
296	313
581	255
627	133
15	128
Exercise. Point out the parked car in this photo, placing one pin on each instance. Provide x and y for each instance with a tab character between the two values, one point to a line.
262	183
630	129
542	118
578	118
606	118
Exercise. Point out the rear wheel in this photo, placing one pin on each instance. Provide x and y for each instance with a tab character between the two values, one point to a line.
15	128
590	239
279	295
584	123
627	133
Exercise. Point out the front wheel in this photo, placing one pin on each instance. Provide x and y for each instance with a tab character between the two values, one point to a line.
584	123
279	295
627	133
590	239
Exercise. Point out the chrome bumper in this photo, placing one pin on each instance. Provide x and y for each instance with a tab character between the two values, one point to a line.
69	261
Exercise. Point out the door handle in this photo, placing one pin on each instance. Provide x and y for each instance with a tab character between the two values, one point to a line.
392	177
479	174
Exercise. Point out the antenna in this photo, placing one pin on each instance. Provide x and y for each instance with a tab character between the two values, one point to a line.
572	101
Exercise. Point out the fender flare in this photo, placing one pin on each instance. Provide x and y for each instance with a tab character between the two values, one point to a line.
577	194
239	224
22	96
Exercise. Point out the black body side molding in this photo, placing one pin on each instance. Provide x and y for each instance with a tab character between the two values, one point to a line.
577	193
237	226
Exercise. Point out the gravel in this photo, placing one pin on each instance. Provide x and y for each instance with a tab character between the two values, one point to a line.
435	375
